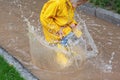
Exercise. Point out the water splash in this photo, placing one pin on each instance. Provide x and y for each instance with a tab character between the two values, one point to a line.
103	66
87	37
39	37
108	67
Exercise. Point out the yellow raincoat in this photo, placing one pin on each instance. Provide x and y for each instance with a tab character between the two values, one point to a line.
55	15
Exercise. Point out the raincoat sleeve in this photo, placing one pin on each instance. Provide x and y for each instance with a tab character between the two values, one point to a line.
47	16
74	22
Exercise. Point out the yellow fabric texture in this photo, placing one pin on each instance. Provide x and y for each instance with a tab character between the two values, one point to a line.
61	58
56	14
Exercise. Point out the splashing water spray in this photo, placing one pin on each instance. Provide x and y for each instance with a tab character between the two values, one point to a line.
77	51
43	54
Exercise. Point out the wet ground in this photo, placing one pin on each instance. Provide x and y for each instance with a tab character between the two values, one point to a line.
14	38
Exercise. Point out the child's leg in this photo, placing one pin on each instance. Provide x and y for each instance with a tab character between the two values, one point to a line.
62	55
62	58
65	51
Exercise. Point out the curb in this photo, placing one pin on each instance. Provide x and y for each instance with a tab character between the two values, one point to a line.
19	67
101	13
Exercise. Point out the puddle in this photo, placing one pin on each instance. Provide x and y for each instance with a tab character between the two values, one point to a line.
14	38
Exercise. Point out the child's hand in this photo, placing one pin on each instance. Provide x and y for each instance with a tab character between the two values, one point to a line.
73	26
75	30
60	33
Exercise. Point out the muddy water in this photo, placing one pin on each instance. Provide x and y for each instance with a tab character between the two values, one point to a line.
14	38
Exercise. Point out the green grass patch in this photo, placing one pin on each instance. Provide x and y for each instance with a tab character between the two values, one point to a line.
108	4
8	72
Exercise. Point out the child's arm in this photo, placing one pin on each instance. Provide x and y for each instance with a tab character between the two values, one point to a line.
47	16
76	31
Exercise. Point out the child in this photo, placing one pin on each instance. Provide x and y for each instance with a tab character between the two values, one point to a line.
57	19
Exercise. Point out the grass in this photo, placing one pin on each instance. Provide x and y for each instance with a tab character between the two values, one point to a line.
8	72
108	4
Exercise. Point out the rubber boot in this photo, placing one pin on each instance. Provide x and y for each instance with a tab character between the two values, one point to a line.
62	58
